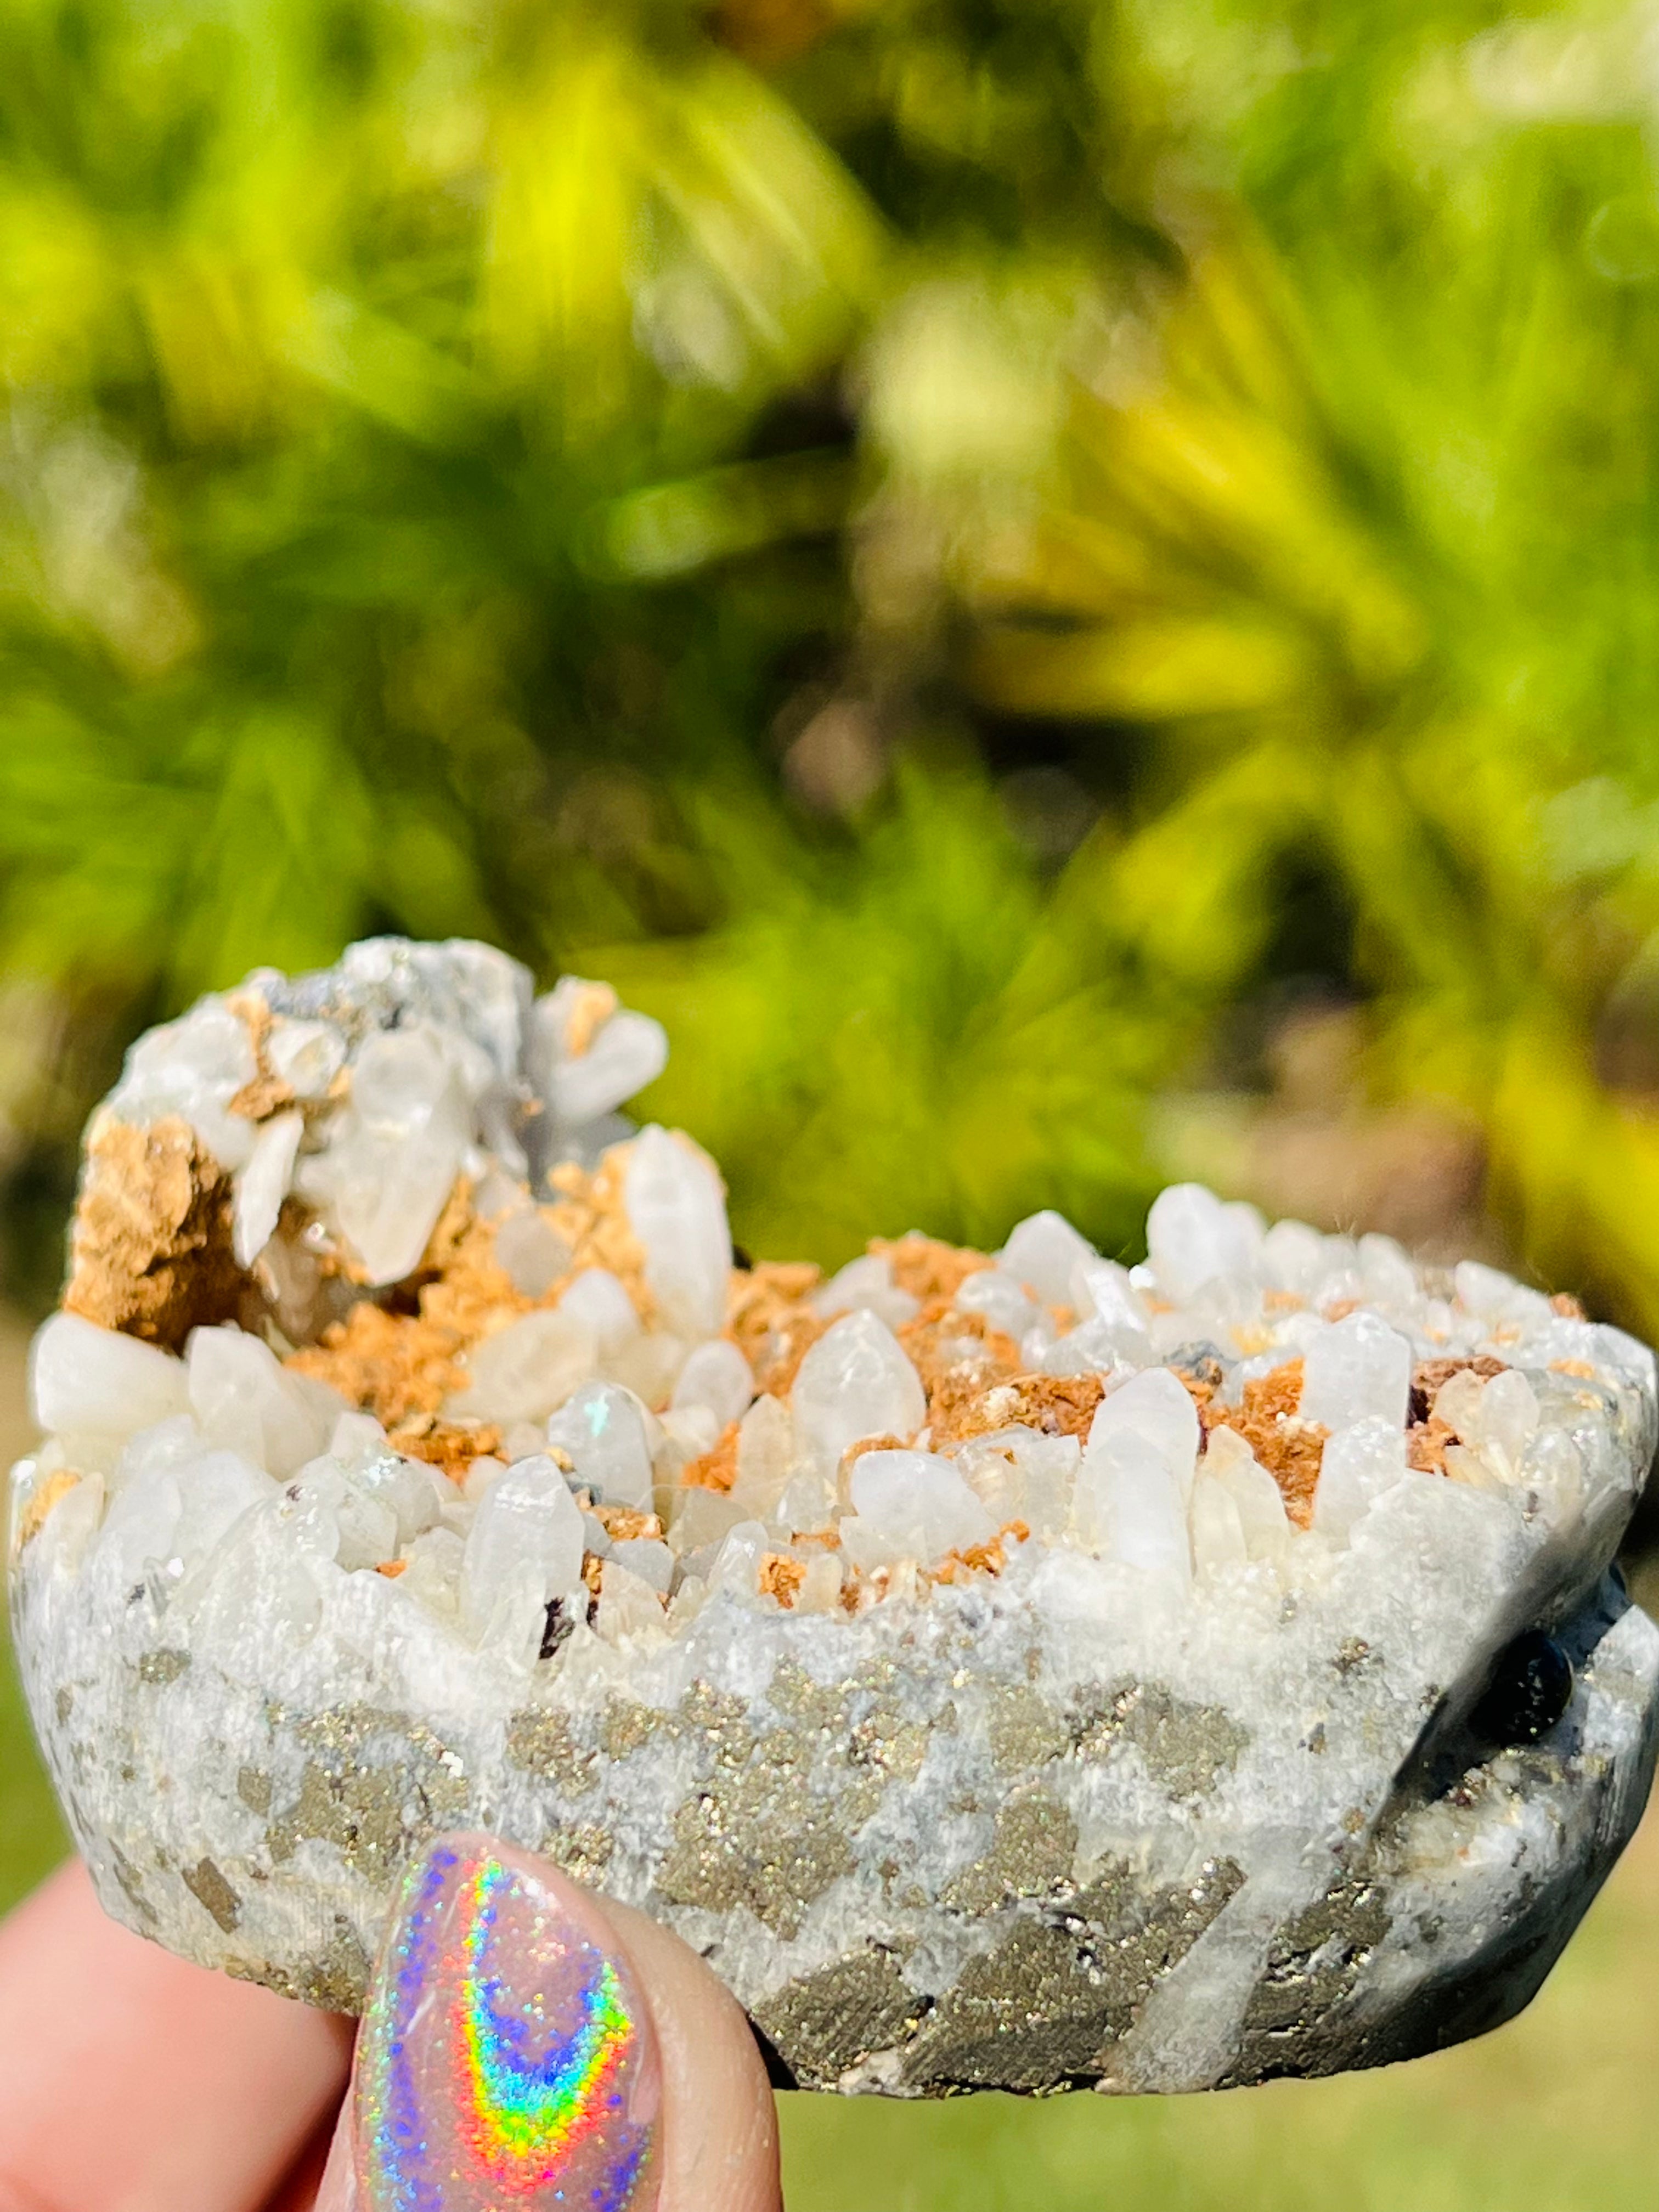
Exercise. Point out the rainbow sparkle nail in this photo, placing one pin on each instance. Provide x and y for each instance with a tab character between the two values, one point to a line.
506	2058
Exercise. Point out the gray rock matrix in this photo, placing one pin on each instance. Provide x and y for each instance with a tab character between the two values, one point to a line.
1091	1756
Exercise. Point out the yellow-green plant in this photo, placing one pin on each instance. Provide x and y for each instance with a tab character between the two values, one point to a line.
665	489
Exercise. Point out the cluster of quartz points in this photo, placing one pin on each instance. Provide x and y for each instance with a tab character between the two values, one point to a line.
1004	1667
630	1468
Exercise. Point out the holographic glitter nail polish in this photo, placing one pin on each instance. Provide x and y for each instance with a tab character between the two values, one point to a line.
506	2058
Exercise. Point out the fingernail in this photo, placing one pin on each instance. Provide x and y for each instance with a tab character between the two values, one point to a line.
506	2055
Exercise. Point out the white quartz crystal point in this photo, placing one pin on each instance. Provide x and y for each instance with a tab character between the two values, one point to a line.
1498	1297
1360	1464
1157	1407
866	1282
392	1160
608	1435
1458	1401
1041	1252
262	1185
766	1453
166	1444
737	1563
215	1489
676	1203
686	1432
355	1436
1509	1414
533	1252
1391	1279
259	1593
715	1374
855	1382
84	1380
912	1505
648	1558
245	1400
193	1067
1092	1348
1496	1418
1004	1302
1131	1502
142	1524
631	1606
526	1371
432	1569
820	1588
173	1517
305	1055
1229	1461
526	1538
1217	1527
1193	1238
596	1300
1292	1257
365	1525
1355	1369
415	1493
1105	1289
1046	1470
586	1054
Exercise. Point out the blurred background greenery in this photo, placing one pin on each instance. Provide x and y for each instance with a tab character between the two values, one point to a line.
1069	590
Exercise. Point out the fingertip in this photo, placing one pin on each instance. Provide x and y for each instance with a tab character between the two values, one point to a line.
525	2035
337	2189
304	2188
130	2077
719	2139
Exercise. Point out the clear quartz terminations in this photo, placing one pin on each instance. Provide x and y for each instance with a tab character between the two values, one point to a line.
1009	1670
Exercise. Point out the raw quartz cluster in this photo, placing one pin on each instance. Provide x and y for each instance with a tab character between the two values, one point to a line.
400	1385
528	1437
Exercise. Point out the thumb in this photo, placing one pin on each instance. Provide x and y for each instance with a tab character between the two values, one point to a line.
528	2040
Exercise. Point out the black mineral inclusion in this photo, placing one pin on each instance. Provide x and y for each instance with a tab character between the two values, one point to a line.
1528	1690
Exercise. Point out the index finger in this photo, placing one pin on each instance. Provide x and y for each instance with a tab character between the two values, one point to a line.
131	2081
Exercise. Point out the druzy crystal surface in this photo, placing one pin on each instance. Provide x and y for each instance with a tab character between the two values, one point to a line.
1008	1669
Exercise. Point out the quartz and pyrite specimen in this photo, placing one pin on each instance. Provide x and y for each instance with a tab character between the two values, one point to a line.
1010	1671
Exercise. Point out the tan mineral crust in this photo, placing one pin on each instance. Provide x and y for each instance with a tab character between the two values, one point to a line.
1009	1669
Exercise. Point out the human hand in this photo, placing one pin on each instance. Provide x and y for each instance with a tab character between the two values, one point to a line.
526	2041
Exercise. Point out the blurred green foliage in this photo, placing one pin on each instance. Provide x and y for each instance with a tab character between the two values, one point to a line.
968	553
964	551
